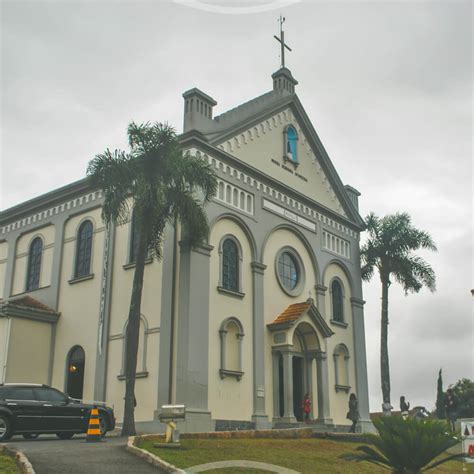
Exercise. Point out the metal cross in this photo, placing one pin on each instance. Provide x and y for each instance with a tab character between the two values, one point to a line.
281	40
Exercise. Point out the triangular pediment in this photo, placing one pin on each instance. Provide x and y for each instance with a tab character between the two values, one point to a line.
292	315
260	141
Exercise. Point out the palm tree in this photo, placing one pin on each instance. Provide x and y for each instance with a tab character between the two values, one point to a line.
164	186
389	248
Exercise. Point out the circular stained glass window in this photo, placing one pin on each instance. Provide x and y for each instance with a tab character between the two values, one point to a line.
288	271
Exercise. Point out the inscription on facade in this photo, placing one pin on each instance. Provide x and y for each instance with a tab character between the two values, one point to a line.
289	215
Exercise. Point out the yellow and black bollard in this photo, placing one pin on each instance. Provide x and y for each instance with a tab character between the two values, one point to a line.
93	431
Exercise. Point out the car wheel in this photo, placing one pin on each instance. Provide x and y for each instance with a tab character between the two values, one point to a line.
64	435
103	425
30	435
5	428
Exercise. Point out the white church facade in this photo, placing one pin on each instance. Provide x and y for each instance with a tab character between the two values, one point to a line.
240	329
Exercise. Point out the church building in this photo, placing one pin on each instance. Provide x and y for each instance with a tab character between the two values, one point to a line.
269	309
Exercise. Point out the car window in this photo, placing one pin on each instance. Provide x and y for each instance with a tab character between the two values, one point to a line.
3	393
49	395
20	393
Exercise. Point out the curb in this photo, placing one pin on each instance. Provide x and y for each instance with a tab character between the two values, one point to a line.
21	460
150	458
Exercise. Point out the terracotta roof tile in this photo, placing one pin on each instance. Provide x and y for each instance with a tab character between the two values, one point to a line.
29	302
292	313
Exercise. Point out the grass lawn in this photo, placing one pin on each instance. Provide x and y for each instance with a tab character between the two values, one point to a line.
8	465
303	455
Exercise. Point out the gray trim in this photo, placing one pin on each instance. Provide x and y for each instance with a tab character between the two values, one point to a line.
82	278
48	199
144	354
336	322
301	271
239	292
100	379
259	416
192	365
360	358
224	371
10	309
225	291
339	379
52	347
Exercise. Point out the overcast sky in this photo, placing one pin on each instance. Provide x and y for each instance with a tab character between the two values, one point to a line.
387	85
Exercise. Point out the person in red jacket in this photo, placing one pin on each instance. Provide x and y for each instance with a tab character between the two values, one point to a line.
306	405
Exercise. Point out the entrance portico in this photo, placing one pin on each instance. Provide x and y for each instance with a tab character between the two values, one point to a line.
300	364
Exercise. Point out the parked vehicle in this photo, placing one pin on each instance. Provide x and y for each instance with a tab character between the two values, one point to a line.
34	409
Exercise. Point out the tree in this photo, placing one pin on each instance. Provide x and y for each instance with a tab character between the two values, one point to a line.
464	390
440	397
389	247
166	186
407	446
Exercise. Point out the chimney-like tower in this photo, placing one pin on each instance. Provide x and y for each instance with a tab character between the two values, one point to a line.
197	110
283	80
353	195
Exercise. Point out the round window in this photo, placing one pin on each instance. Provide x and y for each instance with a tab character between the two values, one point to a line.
288	271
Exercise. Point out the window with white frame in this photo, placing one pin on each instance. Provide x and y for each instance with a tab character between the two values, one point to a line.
231	335
341	368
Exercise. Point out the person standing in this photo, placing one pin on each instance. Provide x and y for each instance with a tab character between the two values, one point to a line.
306	405
353	413
404	407
451	403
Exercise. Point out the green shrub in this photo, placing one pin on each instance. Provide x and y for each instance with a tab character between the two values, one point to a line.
407	446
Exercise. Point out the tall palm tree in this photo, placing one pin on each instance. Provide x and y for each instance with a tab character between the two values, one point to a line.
389	248
164	186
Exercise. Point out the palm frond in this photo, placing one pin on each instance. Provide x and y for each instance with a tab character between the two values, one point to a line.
113	173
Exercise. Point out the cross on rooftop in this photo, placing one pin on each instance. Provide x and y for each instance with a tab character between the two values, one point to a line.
281	40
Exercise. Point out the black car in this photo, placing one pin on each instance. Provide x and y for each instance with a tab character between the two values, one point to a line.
33	409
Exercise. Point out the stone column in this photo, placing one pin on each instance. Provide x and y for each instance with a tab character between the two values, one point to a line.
276	384
323	388
309	380
259	416
360	360
288	415
192	364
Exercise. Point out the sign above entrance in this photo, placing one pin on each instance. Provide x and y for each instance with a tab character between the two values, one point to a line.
291	216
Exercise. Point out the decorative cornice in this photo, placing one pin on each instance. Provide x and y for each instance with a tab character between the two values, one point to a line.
258	267
257	179
357	302
320	289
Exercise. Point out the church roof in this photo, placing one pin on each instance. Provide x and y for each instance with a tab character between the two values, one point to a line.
29	308
294	312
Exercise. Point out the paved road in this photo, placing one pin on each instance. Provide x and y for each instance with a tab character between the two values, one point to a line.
49	455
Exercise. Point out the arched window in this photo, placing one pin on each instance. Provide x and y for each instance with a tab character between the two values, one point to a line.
133	239
337	299
291	138
83	250
142	352
231	333
230	265
75	372
341	368
34	264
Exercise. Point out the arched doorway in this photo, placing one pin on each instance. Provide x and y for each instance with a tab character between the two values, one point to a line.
75	372
305	345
